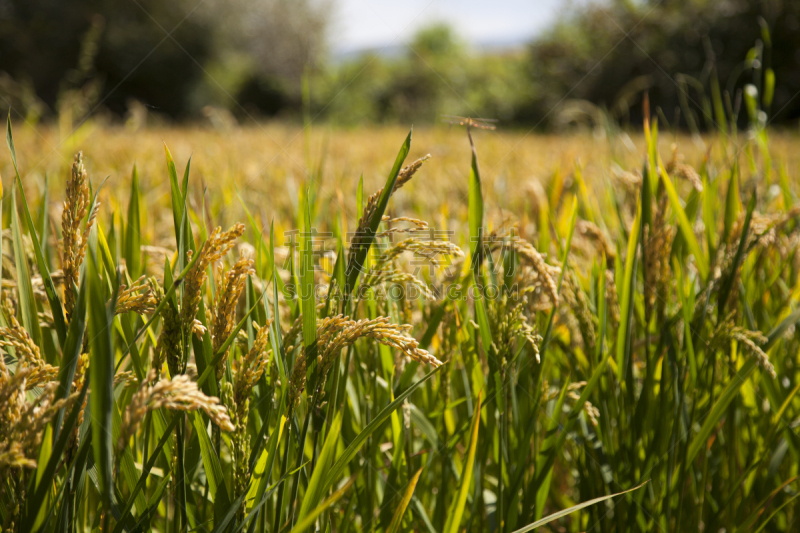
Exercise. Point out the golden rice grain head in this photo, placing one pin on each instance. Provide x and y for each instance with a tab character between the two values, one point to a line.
690	174
252	366
403	177
297	380
17	337
528	253
127	379
611	298
217	245
75	207
27	429
593	233
138	298
751	341
429	249
223	312
177	394
168	346
335	333
374	278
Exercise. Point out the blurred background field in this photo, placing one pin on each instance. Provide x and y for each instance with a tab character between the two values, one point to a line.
265	166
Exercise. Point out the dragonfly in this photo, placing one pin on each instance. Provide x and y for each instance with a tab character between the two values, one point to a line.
478	123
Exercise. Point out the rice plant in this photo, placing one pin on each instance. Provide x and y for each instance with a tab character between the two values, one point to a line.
617	361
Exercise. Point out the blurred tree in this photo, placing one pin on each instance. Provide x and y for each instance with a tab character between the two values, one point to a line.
41	41
674	49
261	50
438	74
438	42
428	75
174	57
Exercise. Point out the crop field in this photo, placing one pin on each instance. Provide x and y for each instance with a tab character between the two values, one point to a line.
286	329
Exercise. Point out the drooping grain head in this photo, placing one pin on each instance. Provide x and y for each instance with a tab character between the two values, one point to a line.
252	366
223	313
529	254
177	394
216	246
431	250
508	324
297	381
360	237
338	332
612	299
749	342
385	271
138	298
658	246
597	237
170	343
17	337
23	421
581	309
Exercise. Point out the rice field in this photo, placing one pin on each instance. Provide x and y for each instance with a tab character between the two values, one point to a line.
286	329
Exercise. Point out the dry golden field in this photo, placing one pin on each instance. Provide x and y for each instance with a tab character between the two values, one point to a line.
267	165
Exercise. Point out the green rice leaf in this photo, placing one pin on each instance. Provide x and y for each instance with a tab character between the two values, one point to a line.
308	301
565	512
133	229
718	410
727	283
350	452
211	466
177	195
554	445
397	518
309	519
547	453
101	367
275	330
564	261
72	350
140	485
271	451
10	143
456	512
27	301
687	230
781	328
337	277
626	300
355	266
41	262
315	487
475	212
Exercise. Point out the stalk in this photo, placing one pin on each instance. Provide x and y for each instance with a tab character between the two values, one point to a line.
284	468
299	462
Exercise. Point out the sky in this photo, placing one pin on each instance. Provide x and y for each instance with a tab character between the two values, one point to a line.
363	24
